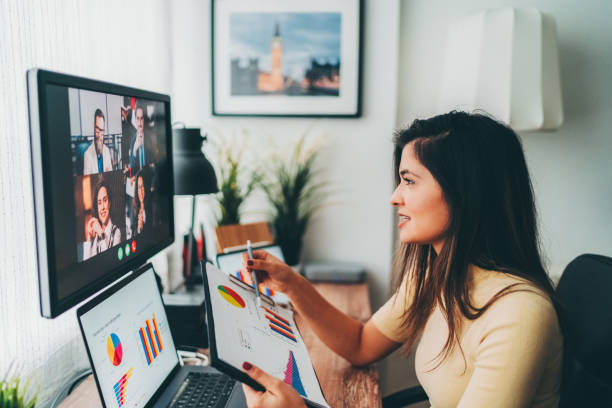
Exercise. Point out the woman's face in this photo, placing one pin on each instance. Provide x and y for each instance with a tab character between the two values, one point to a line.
423	213
103	206
141	190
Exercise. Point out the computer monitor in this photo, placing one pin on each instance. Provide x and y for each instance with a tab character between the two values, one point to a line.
102	182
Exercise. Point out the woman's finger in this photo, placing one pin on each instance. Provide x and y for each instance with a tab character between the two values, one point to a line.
261	254
261	265
265	379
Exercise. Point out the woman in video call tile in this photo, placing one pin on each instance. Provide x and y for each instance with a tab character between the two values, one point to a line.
101	232
141	202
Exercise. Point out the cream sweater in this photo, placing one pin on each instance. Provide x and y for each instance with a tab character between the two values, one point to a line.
513	352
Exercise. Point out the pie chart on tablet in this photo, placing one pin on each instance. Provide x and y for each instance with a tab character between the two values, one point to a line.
114	349
231	296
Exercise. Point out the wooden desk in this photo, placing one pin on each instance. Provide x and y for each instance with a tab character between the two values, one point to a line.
343	385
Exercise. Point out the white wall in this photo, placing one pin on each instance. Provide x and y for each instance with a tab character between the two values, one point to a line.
91	39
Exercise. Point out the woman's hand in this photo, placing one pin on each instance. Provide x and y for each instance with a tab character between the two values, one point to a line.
94	229
271	271
277	394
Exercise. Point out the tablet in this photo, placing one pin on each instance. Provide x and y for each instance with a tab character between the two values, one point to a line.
231	263
268	337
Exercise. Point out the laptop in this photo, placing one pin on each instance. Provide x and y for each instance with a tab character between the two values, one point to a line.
133	356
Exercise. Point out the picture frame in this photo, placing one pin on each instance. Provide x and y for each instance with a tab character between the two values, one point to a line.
286	58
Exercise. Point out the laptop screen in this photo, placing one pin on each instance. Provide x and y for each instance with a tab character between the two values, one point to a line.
129	342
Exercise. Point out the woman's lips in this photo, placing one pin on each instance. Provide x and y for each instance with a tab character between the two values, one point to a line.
403	220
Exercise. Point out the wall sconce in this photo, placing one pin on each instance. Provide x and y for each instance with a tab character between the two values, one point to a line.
506	62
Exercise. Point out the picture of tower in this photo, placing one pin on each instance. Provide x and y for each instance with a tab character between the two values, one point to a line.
294	54
273	81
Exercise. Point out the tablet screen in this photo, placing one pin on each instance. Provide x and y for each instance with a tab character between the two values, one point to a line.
266	336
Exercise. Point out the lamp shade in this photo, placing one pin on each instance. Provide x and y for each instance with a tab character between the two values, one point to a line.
193	174
506	62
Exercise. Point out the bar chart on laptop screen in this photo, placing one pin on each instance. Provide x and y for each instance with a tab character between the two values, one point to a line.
150	339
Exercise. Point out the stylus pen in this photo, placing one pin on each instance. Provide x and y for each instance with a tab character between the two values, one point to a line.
253	274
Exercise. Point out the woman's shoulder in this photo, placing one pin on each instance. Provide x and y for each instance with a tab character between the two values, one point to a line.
512	299
510	291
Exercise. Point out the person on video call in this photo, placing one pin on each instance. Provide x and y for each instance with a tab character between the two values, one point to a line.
142	216
471	291
141	146
97	158
101	232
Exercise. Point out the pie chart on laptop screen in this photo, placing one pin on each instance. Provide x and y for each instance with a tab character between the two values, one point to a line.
231	296
114	349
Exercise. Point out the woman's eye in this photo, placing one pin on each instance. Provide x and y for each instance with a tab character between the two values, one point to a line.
408	181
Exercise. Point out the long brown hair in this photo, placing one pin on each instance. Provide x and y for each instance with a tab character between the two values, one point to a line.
480	166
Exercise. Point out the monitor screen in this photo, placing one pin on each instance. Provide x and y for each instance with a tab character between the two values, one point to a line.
102	177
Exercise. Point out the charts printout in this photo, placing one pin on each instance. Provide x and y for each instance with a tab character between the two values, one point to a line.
266	336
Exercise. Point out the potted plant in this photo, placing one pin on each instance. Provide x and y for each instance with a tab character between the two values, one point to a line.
233	188
294	194
16	393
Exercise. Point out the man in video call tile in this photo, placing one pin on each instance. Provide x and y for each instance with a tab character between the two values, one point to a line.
141	149
101	232
97	158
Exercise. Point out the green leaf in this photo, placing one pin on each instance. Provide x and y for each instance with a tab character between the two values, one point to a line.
14	391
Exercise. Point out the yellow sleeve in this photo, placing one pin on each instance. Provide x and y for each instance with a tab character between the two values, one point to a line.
519	342
388	319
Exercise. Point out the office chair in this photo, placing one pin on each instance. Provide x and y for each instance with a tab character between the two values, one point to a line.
405	397
585	291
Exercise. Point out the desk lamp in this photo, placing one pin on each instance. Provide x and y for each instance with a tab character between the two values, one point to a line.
193	175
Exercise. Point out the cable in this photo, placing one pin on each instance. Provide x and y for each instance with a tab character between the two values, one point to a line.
189	355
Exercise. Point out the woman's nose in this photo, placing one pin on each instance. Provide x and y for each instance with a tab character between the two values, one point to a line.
395	198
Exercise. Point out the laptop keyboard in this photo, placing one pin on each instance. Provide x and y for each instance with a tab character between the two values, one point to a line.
201	390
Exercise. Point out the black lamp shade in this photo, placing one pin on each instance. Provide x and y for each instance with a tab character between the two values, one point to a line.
193	174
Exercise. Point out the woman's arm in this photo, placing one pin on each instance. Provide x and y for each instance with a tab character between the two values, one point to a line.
359	343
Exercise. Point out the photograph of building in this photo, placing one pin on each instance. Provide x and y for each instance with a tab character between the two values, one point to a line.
285	54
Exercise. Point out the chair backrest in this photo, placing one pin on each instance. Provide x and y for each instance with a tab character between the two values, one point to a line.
585	290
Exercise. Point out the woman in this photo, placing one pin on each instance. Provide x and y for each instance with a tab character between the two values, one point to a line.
102	234
140	203
470	281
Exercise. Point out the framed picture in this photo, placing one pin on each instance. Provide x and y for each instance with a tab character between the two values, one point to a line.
286	58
